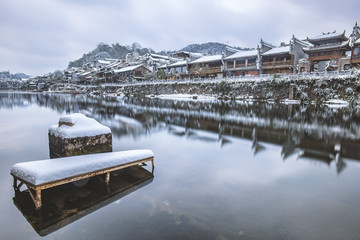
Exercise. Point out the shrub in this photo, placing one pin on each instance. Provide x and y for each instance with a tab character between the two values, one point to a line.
223	88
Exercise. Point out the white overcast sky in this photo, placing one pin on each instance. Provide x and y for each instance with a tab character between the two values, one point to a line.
41	36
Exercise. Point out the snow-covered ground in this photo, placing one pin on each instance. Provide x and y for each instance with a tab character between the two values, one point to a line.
336	103
184	97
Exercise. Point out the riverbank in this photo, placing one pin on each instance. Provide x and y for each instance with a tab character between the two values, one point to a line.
302	88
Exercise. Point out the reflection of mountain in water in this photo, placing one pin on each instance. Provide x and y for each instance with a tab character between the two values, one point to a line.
308	130
65	204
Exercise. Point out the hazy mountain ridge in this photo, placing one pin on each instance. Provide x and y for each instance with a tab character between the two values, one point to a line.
6	75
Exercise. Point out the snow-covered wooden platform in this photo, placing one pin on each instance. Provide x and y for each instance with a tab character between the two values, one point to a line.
43	174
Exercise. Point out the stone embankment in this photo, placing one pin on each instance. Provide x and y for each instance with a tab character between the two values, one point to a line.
292	87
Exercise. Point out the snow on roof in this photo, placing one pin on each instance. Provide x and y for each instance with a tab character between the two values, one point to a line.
127	69
103	62
278	50
177	64
230	49
304	43
112	59
242	54
266	44
327	36
204	59
44	171
159	56
85	73
162	66
78	125
191	53
357	41
115	64
326	46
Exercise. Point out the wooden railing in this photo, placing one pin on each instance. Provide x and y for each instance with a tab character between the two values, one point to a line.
355	58
323	57
276	63
230	66
212	70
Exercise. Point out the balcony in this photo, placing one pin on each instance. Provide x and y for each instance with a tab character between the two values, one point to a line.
211	70
324	57
355	58
277	63
231	66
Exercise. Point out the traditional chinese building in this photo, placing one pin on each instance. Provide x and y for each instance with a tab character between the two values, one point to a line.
178	70
132	72
355	54
354	42
241	63
283	59
207	66
328	52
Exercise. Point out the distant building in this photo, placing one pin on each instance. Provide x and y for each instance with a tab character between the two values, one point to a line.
3	85
177	70
129	73
187	55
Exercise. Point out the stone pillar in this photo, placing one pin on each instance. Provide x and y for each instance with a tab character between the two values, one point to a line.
76	134
291	92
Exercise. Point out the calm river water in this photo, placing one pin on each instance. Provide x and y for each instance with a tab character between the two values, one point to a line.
223	170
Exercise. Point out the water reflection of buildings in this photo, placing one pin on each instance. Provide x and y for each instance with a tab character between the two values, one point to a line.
317	133
65	204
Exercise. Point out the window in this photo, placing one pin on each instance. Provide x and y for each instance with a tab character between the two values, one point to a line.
356	51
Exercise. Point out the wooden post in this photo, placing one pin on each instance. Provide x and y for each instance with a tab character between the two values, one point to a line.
38	199
107	178
15	183
153	166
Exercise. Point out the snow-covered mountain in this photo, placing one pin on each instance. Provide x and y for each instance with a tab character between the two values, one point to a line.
118	51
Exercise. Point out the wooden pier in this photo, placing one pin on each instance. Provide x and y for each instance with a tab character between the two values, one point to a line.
100	164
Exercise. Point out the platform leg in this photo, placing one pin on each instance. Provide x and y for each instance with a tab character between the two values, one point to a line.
38	199
35	197
107	178
15	184
153	166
